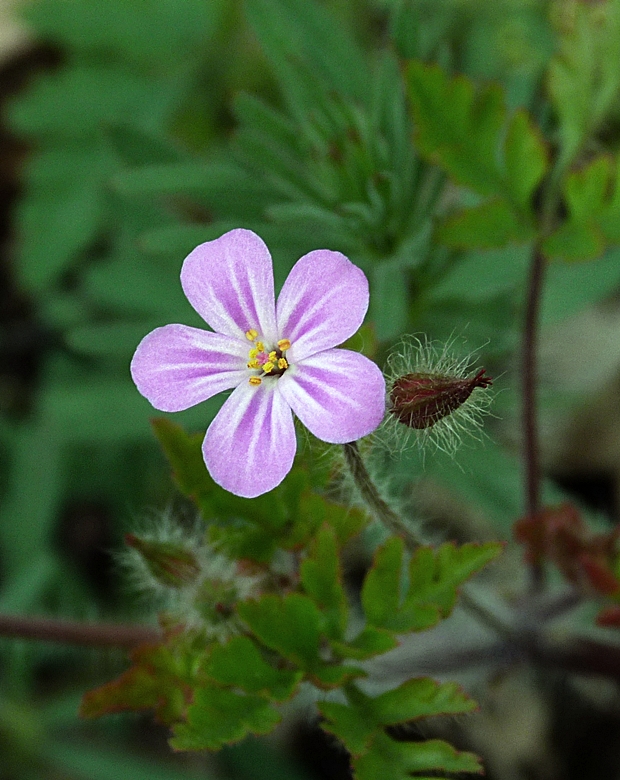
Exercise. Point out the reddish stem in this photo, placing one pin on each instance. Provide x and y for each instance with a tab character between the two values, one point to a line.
74	633
530	416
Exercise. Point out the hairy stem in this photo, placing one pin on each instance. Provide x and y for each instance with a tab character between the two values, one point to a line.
74	633
371	496
395	525
530	416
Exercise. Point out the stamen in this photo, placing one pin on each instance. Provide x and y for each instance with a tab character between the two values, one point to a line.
253	364
260	346
254	353
268	367
255	380
282	363
251	334
284	344
272	356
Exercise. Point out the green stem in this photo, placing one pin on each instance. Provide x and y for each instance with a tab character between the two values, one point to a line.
371	496
395	525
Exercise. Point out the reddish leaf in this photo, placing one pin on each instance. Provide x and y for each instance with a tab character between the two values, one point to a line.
560	535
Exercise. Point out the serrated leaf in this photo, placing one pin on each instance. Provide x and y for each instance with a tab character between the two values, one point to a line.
321	577
350	725
218	717
329	676
369	642
240	664
289	624
399	760
381	591
436	575
586	189
288	517
420	698
584	76
155	681
490	225
458	126
465	130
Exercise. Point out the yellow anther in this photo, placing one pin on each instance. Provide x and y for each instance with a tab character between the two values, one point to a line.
251	334
254	353
284	344
253	364
272	356
268	367
260	346
282	363
255	380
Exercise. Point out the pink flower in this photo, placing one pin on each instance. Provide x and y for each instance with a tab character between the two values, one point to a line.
279	358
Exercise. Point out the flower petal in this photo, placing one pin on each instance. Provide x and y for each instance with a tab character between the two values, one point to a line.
250	446
322	303
338	395
229	282
176	366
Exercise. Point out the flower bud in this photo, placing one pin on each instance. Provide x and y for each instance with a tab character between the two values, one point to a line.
170	563
420	399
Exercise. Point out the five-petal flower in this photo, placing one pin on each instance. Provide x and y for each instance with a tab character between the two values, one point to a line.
279	358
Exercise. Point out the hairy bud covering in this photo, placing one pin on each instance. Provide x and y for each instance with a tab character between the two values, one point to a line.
419	400
170	563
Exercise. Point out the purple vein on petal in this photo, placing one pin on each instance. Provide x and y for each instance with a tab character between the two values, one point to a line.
322	303
338	395
229	282
250	446
177	366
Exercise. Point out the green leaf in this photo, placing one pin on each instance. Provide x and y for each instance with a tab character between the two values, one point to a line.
289	624
218	717
369	642
350	725
436	575
420	698
321	578
79	101
329	676
592	195
179	240
458	126
574	241
289	516
399	760
381	591
240	664
584	76
159	680
151	33
571	287
390	299
586	189
526	158
466	131
490	225
302	31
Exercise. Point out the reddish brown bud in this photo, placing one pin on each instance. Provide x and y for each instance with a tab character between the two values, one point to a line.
420	400
171	564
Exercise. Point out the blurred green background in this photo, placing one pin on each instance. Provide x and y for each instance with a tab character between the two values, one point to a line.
133	130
